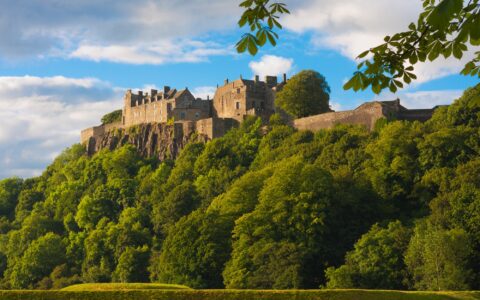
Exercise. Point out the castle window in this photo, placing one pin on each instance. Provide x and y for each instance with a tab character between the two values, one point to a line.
182	115
237	105
197	115
253	104
238	91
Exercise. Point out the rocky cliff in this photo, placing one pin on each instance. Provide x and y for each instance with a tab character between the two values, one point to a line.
153	139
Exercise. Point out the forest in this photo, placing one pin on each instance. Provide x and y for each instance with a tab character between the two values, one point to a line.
264	207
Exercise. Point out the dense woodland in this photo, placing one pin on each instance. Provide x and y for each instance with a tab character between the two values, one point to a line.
262	207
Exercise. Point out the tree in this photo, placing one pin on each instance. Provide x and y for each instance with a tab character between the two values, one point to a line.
132	265
445	27
437	258
41	257
305	94
114	116
376	261
10	188
281	243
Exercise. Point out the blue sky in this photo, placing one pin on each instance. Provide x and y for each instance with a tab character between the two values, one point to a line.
63	64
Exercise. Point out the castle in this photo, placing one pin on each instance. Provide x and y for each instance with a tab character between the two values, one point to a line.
231	103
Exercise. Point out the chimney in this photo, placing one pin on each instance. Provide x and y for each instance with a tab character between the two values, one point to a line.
140	93
257	78
284	77
166	89
241	77
208	97
226	81
153	92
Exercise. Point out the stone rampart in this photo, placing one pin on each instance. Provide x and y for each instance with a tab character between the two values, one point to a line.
365	115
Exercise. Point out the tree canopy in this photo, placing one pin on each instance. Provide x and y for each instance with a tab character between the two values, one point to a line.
264	206
306	93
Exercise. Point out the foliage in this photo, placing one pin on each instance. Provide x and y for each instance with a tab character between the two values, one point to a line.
305	94
444	28
261	18
113	117
437	259
261	207
376	261
159	294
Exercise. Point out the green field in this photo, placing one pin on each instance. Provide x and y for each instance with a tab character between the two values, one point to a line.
187	294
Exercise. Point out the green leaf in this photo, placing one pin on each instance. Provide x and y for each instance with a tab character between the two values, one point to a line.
435	51
439	18
349	84
422	56
363	54
413	58
475	28
271	38
468	68
261	37
457	51
393	88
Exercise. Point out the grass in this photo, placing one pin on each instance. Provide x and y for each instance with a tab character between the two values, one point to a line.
146	293
123	286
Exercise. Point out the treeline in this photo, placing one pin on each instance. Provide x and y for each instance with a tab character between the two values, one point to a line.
261	208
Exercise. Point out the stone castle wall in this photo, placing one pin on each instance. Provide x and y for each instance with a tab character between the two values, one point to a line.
98	131
366	115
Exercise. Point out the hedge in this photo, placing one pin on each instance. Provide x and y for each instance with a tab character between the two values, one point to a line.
235	295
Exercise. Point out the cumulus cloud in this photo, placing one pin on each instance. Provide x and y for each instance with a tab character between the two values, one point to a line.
271	65
354	26
43	115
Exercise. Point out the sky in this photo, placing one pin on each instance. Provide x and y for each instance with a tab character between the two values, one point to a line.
65	63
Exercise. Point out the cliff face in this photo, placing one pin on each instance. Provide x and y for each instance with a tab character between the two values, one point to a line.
153	139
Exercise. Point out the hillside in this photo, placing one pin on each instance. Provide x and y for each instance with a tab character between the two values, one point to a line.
276	208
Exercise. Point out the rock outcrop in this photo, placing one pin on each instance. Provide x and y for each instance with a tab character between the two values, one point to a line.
152	140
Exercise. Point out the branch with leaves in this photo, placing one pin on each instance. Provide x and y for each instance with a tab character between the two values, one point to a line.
262	18
445	27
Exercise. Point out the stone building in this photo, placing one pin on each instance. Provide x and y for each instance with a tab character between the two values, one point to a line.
244	97
159	107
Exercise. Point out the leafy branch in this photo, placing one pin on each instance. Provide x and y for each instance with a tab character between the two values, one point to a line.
261	18
445	28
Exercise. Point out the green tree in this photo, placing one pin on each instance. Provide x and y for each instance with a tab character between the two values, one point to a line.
10	188
195	251
376	261
38	261
132	265
437	258
305	94
114	116
288	223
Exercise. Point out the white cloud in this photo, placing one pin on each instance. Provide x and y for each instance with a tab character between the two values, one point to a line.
354	26
204	92
423	99
43	115
167	51
137	32
271	65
